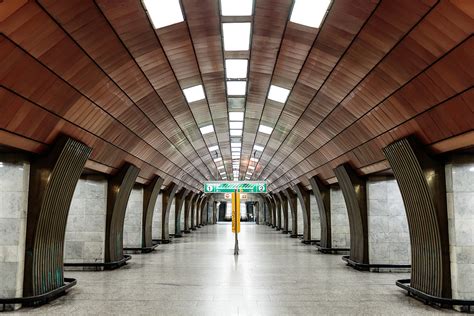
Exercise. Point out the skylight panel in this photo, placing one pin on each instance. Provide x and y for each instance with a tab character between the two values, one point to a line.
278	94
236	87
164	12
236	7
236	125
207	129
213	148
258	148
235	132
265	129
236	36
309	12
236	68
236	116
194	94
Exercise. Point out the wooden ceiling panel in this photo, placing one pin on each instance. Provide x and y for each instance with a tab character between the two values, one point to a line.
374	72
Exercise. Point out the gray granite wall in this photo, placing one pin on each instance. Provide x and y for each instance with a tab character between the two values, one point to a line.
172	217
339	220
389	238
157	228
132	228
14	182
315	220
300	218
85	230
460	200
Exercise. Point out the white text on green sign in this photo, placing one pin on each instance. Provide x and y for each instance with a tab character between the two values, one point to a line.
239	186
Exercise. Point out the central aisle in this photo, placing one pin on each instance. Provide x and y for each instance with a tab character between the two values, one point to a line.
198	275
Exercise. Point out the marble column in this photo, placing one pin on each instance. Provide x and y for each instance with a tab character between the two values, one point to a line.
304	204
85	230
315	219
389	238
157	230
132	229
14	180
460	202
340	231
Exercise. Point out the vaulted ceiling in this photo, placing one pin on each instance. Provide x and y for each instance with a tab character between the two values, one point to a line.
371	73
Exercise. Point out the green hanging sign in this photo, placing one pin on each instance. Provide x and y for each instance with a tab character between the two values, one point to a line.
232	186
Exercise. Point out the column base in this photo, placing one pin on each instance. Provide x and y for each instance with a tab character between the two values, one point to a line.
39	299
141	249
462	305
374	267
98	266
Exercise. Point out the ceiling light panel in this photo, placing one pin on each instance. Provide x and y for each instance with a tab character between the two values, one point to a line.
236	36
164	12
278	94
236	68
236	87
258	148
236	7
194	94
238	145
309	12
207	129
213	148
236	116
217	159
235	132
265	129
236	125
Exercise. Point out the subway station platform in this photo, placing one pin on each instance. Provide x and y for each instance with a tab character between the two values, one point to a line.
199	275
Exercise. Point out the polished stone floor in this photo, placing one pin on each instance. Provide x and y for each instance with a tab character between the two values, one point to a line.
198	275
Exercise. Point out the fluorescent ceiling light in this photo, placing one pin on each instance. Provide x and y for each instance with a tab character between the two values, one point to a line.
235	156
218	159
236	8
193	94
222	173
265	129
235	149
164	12
238	145
213	148
236	68
278	94
224	178
253	159
235	132
236	125
249	173
251	167
236	36
247	178
309	12
258	148
207	129
236	116
220	167
236	87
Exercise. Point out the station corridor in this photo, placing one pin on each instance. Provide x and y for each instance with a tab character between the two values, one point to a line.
198	275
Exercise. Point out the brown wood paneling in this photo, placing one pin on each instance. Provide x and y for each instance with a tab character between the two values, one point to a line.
292	201
178	204
422	183
322	194
303	197
150	195
354	190
119	187
168	196
53	179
